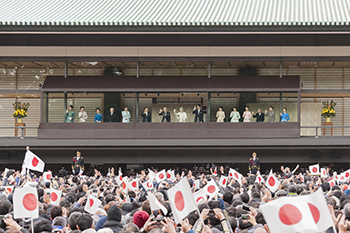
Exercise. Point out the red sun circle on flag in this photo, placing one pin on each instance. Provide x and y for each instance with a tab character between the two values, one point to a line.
224	182
48	176
9	190
148	185
124	185
120	178
161	176
302	179
324	172
236	175
272	181
332	184
289	214
342	178
211	189
179	201
199	199
314	169
231	174
54	196
35	162
347	174
133	184
30	202
168	175
259	178
91	202
315	212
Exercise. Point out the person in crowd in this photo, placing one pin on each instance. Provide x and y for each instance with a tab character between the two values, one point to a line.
220	114
78	164
82	114
181	115
254	164
98	116
70	114
271	115
126	115
260	117
146	115
112	116
166	115
284	115
247	115
234	115
198	113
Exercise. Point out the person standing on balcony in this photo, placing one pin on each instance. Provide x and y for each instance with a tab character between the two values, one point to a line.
254	164
112	116
165	114
199	113
220	115
126	115
181	115
247	115
146	115
98	116
260	117
284	115
235	116
78	164
70	114
271	115
82	114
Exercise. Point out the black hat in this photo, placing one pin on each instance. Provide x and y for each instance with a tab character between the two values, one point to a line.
127	208
114	214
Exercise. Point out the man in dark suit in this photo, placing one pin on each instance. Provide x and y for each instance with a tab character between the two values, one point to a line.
260	117
146	115
199	113
112	116
254	164
165	114
78	164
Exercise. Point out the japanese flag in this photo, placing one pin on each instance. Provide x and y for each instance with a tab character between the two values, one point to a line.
181	200
171	175
134	185
223	181
55	196
346	174
331	183
259	179
5	172
196	184
33	162
125	183
155	204
319	210
215	171
47	176
314	169
272	182
323	173
211	189
290	215
148	185
161	176
9	189
25	203
235	175
341	178
200	197
119	178
151	175
92	204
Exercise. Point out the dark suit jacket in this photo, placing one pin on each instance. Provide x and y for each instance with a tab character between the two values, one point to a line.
166	116
78	164
147	118
198	115
259	118
112	118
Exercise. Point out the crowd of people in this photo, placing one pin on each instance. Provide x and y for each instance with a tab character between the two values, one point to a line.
181	115
235	208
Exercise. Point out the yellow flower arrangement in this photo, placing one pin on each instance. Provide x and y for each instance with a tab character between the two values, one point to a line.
328	109
20	109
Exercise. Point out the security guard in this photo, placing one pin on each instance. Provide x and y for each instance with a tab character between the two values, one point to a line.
254	164
78	164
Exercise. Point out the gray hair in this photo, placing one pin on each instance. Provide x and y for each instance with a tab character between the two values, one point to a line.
131	227
181	108
165	108
105	230
111	109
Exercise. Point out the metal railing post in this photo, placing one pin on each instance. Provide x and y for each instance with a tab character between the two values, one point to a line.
316	135
22	132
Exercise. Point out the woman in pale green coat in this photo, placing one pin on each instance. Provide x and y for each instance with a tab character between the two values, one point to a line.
235	116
